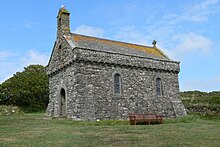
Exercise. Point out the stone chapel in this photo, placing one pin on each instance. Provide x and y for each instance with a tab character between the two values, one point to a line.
98	79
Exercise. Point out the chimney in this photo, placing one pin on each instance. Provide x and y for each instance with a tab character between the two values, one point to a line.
63	22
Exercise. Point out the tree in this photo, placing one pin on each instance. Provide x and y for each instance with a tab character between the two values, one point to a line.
27	89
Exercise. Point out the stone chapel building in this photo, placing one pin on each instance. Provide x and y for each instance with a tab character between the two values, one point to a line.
94	78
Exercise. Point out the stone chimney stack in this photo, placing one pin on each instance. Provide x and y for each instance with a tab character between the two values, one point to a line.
63	22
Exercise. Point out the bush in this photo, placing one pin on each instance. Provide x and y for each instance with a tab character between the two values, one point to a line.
9	110
203	103
27	89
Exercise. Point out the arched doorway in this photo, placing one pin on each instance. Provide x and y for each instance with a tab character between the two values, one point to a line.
62	102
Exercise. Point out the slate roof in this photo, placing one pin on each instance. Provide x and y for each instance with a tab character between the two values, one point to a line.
105	45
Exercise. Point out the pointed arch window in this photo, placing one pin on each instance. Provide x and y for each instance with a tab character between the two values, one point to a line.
158	86
117	83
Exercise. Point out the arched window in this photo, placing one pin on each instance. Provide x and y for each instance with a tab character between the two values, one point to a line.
158	86
117	83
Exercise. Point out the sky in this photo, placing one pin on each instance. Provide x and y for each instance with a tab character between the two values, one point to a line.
186	30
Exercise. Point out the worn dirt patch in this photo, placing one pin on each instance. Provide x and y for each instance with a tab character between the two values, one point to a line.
7	139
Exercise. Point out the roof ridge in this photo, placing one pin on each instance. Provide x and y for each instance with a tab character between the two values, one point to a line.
112	40
123	45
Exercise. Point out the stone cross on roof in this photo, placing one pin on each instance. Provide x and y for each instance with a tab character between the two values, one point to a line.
154	43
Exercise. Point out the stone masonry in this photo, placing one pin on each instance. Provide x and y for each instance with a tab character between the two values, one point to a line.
98	79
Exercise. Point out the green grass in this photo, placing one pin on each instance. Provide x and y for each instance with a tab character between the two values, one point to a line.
35	130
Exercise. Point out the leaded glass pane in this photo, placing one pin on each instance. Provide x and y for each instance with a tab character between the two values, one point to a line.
158	86
117	83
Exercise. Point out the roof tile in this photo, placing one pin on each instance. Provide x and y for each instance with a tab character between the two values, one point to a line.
82	41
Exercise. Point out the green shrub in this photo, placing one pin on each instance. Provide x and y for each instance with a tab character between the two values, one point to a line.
203	103
27	89
9	110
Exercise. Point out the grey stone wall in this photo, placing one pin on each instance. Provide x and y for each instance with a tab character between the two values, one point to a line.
63	79
61	56
89	86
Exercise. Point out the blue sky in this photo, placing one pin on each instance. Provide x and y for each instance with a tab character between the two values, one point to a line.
187	30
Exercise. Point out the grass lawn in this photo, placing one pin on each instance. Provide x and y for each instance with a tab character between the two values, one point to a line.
35	130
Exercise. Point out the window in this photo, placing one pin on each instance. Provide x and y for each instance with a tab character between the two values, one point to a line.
117	83
60	52
60	46
59	23
158	86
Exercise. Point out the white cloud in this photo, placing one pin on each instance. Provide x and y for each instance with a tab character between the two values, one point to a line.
182	45
194	12
208	84
90	31
201	11
33	57
170	23
131	34
12	62
192	43
4	54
